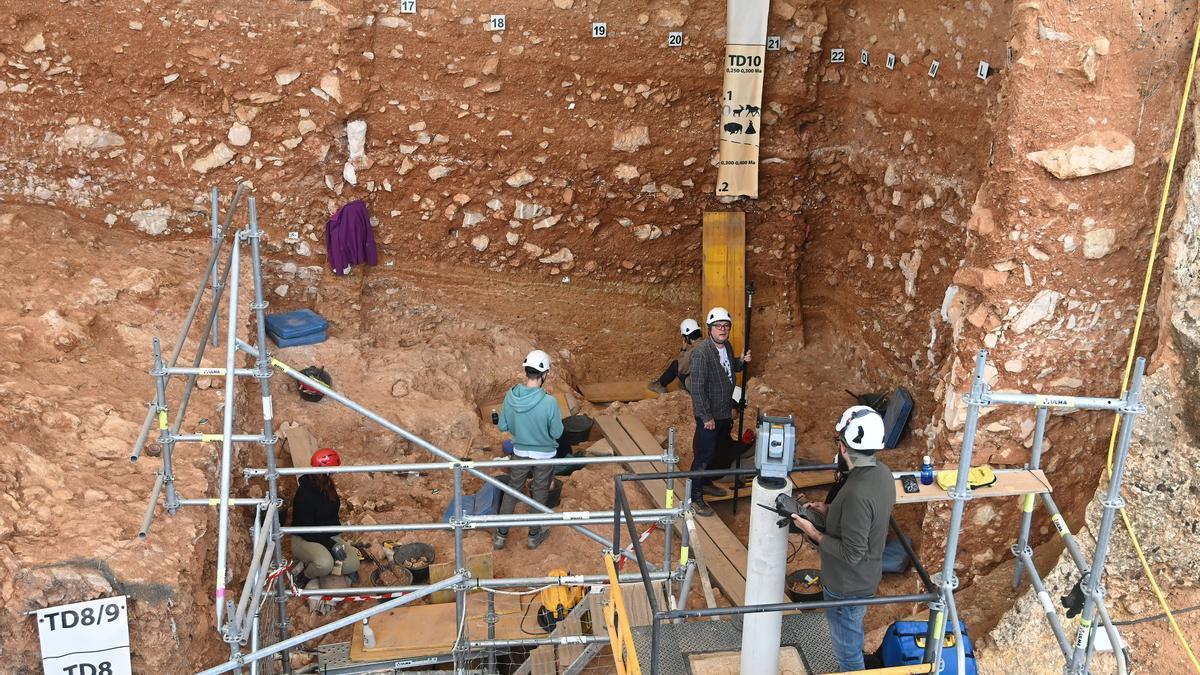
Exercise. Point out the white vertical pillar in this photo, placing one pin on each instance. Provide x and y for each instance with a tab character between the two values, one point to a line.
766	567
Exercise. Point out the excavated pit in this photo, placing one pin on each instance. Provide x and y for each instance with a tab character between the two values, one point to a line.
540	188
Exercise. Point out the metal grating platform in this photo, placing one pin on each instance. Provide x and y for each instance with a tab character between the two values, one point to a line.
808	632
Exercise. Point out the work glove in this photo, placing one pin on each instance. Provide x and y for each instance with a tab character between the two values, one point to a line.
1073	601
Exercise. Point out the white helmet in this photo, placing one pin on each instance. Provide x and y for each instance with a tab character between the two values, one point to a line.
861	429
688	326
538	360
718	314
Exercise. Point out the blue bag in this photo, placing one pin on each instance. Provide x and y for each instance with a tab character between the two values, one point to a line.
904	645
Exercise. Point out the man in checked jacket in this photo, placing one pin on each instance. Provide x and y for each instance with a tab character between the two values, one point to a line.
711	386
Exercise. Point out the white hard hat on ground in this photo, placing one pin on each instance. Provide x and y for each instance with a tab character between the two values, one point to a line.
718	314
538	360
861	429
688	326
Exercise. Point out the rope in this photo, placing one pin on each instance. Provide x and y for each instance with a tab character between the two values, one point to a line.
1137	327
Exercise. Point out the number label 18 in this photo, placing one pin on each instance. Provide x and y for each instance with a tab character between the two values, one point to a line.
496	22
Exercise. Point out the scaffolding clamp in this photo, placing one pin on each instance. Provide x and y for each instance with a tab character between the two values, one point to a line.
950	585
1117	502
965	496
1019	551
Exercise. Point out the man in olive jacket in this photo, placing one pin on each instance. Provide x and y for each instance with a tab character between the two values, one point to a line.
856	525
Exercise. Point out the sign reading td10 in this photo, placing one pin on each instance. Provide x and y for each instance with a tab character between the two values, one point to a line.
738	61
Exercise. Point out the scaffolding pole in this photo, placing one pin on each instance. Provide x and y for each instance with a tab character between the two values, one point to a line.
227	443
262	371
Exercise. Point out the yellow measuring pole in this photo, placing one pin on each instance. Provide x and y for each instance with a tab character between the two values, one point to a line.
617	621
725	270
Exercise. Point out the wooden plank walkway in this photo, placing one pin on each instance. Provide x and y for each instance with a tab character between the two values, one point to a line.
623	390
724	552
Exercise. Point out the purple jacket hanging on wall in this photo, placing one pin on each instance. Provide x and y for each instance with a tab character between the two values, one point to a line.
348	238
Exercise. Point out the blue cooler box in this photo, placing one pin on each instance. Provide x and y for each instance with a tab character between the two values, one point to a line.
301	327
904	645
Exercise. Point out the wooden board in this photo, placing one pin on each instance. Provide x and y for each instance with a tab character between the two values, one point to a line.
624	391
1009	483
426	630
725	269
720	663
480	566
637	605
725	553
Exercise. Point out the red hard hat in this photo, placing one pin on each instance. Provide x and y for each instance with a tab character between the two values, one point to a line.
325	457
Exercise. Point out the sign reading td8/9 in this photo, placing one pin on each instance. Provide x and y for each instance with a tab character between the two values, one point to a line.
85	638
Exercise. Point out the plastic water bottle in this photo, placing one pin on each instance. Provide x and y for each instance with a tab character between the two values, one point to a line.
495	417
927	471
368	635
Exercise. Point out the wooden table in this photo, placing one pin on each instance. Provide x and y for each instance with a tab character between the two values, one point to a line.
1009	483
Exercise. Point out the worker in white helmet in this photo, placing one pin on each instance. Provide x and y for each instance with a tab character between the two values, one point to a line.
855	533
532	416
680	366
713	366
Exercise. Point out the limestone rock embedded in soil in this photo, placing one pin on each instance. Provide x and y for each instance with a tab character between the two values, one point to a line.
1039	309
1088	154
88	137
631	139
520	179
219	156
1099	243
239	135
152	221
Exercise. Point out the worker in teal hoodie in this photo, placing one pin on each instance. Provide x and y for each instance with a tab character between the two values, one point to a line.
535	422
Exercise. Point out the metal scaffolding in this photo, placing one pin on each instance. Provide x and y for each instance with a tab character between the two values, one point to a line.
238	624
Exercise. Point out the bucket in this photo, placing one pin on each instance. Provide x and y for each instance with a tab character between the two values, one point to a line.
576	429
804	585
554	497
317	373
416	558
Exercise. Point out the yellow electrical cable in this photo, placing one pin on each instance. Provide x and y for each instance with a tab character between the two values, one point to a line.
1137	327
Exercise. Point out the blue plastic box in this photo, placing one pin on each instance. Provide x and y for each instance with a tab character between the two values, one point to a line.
299	327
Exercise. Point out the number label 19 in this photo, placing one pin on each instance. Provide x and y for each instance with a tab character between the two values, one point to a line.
674	39
408	6
497	22
599	29
933	68
773	43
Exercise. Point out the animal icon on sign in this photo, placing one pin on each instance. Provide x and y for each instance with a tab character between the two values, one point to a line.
750	110
732	128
